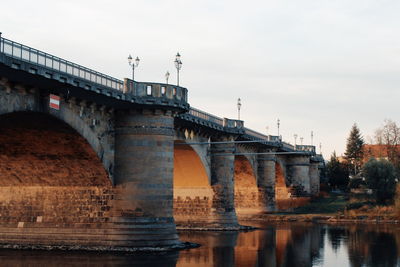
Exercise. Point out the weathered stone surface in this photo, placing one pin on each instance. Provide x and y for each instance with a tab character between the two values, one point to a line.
222	175
314	178
267	180
144	178
246	189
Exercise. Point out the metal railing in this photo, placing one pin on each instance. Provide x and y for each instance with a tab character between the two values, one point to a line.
306	148
37	57
255	134
206	116
287	146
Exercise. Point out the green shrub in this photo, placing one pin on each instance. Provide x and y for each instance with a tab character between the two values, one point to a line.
380	177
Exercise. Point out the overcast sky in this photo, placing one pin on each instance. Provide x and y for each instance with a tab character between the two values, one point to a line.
316	65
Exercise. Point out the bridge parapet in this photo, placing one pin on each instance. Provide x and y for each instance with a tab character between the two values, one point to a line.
288	147
306	148
157	93
22	57
233	123
221	124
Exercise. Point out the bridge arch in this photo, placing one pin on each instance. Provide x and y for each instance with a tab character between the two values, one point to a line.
246	189
92	124
193	194
49	176
39	149
286	196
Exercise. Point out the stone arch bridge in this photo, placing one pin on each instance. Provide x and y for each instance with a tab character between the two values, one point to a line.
122	163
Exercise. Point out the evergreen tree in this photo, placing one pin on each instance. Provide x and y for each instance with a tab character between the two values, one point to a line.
354	149
337	173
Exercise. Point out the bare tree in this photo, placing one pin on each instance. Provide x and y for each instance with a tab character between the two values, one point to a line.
389	137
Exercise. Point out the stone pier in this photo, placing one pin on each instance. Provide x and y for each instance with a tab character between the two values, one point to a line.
144	178
222	175
266	181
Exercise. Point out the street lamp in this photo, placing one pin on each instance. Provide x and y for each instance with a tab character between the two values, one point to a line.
295	139
167	76
133	65
178	65
301	140
278	123
239	105
312	137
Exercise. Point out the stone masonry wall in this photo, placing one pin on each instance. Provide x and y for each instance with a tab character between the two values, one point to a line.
48	206
246	190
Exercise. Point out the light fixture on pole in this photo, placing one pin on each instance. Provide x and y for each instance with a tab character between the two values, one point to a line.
133	65
178	65
295	139
320	148
239	105
301	140
312	137
266	129
278	123
167	76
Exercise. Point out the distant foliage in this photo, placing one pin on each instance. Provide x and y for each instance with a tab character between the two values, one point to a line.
337	173
380	176
389	137
354	149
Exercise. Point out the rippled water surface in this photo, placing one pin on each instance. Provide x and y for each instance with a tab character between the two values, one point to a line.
272	245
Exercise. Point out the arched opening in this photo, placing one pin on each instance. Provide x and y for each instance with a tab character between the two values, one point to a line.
246	190
285	196
48	173
282	192
37	149
193	194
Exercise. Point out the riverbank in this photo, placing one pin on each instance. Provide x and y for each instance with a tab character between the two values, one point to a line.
333	208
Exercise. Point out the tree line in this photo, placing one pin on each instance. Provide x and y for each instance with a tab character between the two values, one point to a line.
377	169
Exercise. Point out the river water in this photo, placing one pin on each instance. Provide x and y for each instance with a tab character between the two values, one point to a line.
273	245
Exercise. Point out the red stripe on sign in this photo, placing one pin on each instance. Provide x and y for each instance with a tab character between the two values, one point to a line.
55	106
54	102
55	97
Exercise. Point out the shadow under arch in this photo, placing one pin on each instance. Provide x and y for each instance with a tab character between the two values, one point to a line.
52	184
39	149
246	190
284	194
193	194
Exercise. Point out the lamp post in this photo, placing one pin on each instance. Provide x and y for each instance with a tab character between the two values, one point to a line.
312	137
239	105
133	65
167	76
295	139
278	123
178	65
301	140
320	148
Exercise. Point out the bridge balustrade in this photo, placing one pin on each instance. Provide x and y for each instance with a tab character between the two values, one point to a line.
288	146
206	116
158	90
306	148
233	123
42	59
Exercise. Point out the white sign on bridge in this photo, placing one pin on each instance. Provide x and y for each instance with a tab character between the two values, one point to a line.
54	102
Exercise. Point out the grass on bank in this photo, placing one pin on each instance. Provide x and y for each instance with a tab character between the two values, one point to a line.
347	205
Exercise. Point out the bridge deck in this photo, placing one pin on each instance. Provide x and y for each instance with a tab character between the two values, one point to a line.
21	57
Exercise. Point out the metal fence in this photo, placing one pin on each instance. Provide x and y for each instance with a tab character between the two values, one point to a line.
37	57
206	116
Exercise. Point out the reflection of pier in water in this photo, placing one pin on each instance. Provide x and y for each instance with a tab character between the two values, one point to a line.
282	245
275	246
